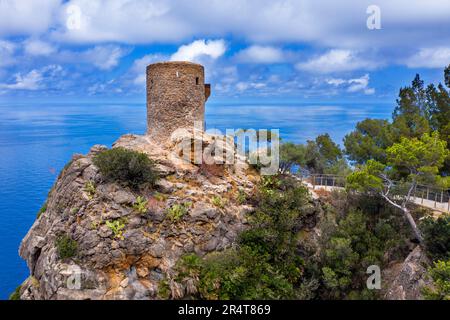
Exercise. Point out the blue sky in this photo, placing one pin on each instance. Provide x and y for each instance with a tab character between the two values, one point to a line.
254	50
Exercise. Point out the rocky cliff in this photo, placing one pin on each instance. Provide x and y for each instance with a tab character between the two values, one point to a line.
123	252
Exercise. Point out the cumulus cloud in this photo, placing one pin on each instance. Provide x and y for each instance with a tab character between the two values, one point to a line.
33	80
135	21
36	47
353	85
24	17
430	58
324	23
103	57
7	50
104	87
260	54
243	86
138	70
336	60
200	49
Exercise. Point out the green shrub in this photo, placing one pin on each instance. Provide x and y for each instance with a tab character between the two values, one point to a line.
218	202
349	248
140	205
241	197
90	189
66	246
42	210
437	237
265	264
177	211
116	227
16	294
127	167
440	273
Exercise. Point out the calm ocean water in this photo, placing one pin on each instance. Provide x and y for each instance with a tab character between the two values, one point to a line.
37	140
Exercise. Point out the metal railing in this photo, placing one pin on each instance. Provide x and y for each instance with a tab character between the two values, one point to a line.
428	196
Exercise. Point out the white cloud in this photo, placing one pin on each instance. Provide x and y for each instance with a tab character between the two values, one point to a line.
243	86
128	21
29	81
360	84
101	88
353	85
105	57
324	23
260	54
336	82
138	70
336	60
36	79
7	50
430	58
36	47
199	49
19	17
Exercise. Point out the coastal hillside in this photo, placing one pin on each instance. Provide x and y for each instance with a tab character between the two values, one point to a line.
206	232
121	240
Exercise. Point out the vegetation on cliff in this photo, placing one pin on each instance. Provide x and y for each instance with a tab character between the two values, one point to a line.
128	167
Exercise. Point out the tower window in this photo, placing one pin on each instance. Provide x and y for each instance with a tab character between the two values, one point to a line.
196	81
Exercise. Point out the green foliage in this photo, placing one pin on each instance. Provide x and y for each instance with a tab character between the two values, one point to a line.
265	264
177	211
369	141
351	244
322	154
291	155
241	197
164	290
419	111
90	189
410	115
440	273
421	159
367	178
117	227
437	237
140	205
16	294
66	246
42	210
218	202
422	156
447	76
127	167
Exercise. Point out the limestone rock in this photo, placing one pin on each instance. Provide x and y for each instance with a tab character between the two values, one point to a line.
405	280
131	261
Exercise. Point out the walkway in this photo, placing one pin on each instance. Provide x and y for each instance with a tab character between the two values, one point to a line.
425	196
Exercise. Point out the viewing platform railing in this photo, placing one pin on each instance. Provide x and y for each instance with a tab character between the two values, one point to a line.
427	196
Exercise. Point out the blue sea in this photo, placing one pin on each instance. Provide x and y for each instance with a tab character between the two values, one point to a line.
36	140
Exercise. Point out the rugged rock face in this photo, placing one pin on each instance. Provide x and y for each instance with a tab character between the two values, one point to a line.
406	279
131	263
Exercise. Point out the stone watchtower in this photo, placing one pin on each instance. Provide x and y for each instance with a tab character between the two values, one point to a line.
176	96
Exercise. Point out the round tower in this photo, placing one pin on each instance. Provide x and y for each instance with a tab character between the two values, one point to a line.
176	96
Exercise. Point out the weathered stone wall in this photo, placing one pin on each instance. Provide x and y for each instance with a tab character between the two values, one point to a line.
176	95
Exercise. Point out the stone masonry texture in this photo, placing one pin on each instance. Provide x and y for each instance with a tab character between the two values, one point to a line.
176	96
